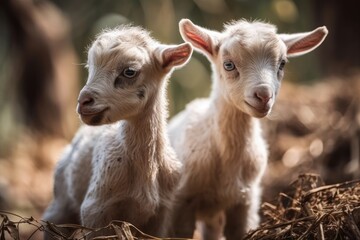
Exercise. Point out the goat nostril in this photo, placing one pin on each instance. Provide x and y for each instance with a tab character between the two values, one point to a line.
263	96
86	101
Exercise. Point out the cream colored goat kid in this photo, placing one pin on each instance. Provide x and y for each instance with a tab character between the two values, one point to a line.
125	170
219	139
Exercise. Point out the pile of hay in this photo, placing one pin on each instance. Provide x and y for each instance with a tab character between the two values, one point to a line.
312	210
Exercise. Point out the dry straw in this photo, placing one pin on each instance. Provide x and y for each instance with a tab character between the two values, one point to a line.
117	230
312	211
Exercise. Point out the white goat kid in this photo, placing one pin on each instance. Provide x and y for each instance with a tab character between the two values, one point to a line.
219	139
125	170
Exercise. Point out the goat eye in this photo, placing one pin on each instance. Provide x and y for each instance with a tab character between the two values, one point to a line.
229	66
129	72
282	65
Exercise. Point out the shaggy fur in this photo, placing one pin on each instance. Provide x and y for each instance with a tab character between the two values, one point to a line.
219	139
124	170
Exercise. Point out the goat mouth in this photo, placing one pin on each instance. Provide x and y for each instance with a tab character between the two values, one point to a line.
262	110
93	118
90	112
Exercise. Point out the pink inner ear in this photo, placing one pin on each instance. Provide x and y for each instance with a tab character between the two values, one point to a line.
177	56
199	41
306	43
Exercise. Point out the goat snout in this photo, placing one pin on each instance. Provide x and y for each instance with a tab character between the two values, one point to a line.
260	100
85	100
263	94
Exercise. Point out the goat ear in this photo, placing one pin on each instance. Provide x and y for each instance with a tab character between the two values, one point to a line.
201	38
175	56
301	43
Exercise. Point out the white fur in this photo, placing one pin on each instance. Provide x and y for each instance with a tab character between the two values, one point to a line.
124	170
219	139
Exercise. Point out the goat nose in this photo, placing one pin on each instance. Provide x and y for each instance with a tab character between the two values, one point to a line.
263	94
85	100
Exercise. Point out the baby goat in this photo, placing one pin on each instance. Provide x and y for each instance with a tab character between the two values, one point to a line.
125	170
219	139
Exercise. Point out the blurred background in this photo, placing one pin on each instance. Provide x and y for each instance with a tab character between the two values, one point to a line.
313	128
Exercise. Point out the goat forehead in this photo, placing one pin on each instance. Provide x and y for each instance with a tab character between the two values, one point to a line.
124	43
249	34
134	35
122	55
242	49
